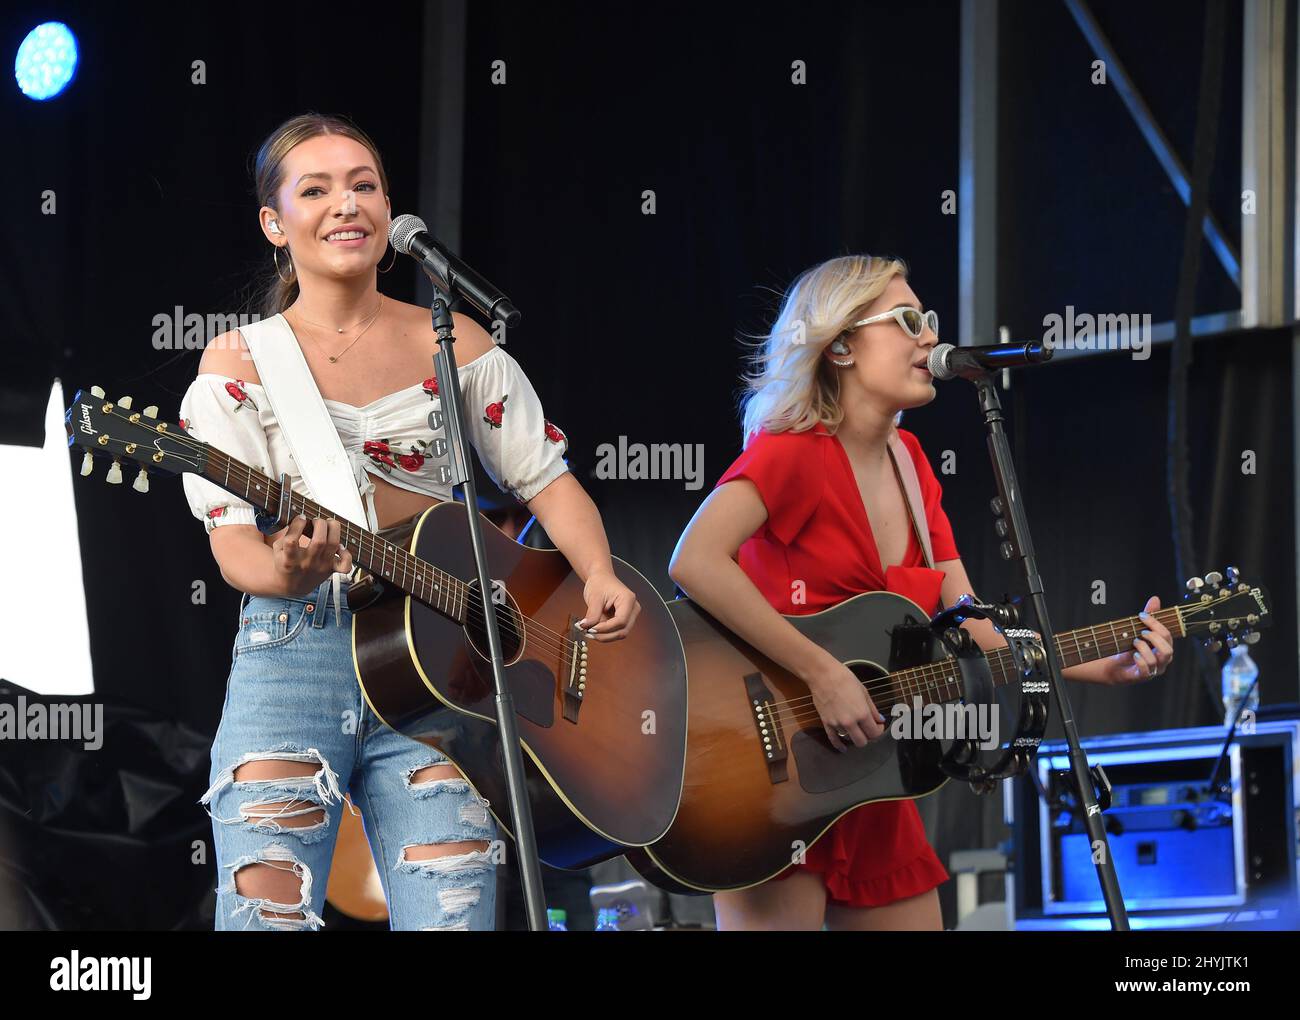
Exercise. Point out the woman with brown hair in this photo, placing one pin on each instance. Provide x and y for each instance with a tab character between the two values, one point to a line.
295	732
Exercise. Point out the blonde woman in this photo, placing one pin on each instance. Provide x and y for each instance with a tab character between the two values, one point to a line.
814	499
285	752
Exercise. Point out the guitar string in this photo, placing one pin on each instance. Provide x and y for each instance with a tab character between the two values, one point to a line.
800	715
474	614
797	717
543	635
904	678
939	669
182	437
472	604
914	681
796	707
461	594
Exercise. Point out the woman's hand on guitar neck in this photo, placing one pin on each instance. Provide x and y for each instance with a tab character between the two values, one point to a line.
844	706
302	568
1153	650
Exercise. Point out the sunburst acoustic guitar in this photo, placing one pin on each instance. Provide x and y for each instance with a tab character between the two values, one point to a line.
762	780
603	725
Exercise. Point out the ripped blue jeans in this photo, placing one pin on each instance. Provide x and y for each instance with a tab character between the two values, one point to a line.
293	696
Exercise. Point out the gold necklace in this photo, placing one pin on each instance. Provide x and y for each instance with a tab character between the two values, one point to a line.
335	357
337	329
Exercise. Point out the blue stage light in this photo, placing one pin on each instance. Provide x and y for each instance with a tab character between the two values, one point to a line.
46	61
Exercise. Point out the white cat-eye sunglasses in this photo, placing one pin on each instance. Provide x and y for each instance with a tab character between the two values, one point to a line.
912	320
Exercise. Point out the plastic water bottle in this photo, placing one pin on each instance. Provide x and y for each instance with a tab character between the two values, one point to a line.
556	920
607	919
1239	672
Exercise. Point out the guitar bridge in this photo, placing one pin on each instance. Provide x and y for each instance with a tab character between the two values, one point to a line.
771	739
576	676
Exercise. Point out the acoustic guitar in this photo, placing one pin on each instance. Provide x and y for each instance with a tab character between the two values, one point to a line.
603	725
762	780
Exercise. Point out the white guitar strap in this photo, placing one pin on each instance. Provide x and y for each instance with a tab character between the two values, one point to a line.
907	478
327	475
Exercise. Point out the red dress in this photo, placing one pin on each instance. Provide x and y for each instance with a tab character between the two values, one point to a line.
817	533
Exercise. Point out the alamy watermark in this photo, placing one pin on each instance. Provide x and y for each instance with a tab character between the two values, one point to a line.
1087	332
77	973
636	461
179	330
53	721
950	721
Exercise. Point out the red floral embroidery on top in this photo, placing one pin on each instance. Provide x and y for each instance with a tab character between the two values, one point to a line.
554	434
387	458
431	386
217	511
493	412
183	423
236	390
378	451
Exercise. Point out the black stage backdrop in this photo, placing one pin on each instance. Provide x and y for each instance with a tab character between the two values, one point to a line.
631	321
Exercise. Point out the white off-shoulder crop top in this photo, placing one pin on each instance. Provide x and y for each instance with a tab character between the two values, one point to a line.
388	438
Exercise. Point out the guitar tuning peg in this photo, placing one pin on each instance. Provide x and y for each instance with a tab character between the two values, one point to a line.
1231	641
87	464
1213	577
1214	646
114	476
141	483
151	411
1233	575
124	403
97	391
1195	585
1251	638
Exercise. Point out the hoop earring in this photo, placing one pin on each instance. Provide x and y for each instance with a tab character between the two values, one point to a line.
390	263
275	257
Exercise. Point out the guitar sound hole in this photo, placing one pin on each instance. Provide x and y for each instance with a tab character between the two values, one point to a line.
510	625
881	690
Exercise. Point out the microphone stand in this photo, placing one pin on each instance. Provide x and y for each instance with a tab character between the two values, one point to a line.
1019	545
461	473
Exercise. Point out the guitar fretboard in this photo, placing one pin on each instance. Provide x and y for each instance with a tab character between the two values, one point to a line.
934	683
940	682
419	578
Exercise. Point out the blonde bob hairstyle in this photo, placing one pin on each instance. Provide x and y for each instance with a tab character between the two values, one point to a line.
789	385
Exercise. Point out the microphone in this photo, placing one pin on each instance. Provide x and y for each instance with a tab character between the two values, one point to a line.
410	236
948	362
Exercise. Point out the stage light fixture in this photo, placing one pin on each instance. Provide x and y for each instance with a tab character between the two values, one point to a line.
46	61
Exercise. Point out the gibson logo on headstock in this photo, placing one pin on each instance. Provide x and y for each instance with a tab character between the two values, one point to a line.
85	420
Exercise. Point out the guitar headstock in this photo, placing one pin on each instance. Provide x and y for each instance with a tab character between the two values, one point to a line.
117	431
1224	610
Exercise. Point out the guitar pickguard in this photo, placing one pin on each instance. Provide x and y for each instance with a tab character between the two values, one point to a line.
822	768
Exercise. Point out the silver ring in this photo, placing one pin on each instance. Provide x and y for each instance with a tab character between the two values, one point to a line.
841	733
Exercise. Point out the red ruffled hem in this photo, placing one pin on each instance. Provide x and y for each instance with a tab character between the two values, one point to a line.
875	855
920	875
